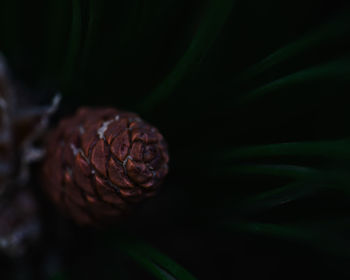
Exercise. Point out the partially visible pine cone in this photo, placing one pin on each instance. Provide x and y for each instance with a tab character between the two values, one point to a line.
21	125
101	161
19	223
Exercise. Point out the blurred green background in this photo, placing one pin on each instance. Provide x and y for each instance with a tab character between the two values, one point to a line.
252	97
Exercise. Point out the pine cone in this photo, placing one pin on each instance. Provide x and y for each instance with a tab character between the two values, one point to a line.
19	223
102	161
21	125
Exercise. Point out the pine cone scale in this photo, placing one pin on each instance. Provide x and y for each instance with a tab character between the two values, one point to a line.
117	174
98	155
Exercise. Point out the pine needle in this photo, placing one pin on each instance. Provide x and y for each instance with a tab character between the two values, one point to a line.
283	170
329	32
215	17
73	43
316	235
161	266
330	149
336	70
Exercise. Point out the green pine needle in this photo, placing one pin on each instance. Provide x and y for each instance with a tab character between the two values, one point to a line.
292	171
279	231
335	70
58	276
91	30
320	235
215	17
328	32
161	266
339	149
74	43
278	196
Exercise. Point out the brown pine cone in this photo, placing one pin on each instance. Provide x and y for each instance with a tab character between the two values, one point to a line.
101	161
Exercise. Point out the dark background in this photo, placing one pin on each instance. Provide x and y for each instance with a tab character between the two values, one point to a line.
182	66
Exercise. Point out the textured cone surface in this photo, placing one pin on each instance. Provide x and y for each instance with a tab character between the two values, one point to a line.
102	161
